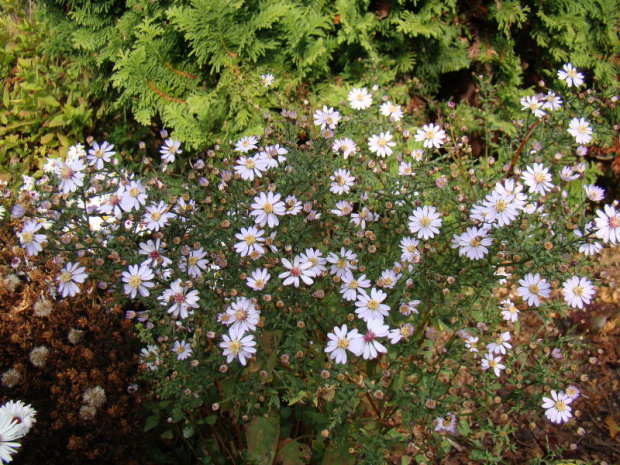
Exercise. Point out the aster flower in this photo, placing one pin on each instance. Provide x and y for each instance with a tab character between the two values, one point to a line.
71	175
100	154
409	248
367	346
392	111
580	129
552	102
607	225
447	424
500	344
258	279
149	355
342	264
183	300
509	311
594	193
578	292
343	208
370	306
326	118
23	414
473	243
342	181
352	287
397	334
182	349
557	408
567	174
170	150
245	144
266	209
345	145
570	75
494	363
360	99
432	135
425	221
388	279
409	307
133	196
360	219
236	345
296	271
9	431
250	167
157	216
573	392
532	103
69	278
30	240
590	246
250	242
267	79
273	155
538	179
532	288
194	263
381	144
338	343
316	260
138	279
471	342
243	314
154	251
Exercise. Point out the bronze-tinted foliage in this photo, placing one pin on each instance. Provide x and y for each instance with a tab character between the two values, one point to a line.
105	356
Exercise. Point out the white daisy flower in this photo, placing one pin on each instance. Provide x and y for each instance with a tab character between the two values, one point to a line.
29	239
258	279
580	129
409	248
407	308
608	224
537	178
471	342
532	288
69	278
360	99
23	414
557	408
343	208
473	243
509	311
367	345
573	392
133	196
494	363
157	216
392	111
266	209
405	168
342	181
339	342
552	102
182	349
578	292
345	145
71	175
405	331
194	263
381	144
100	154
297	270
590	246
352	287
360	219
154	251
274	155
245	144
326	118
251	241
570	74
149	355
501	344
237	346
9	431
243	314
425	221
342	264
170	150
267	79
594	193
370	307
182	299
138	279
432	135
531	103
316	260
250	167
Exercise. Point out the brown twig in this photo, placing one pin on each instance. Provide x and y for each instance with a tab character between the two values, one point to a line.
515	159
163	94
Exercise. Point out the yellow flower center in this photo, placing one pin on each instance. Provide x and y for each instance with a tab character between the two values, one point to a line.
250	239
501	205
425	222
135	282
578	291
27	237
192	261
234	347
65	276
534	289
373	304
539	177
155	216
268	208
343	343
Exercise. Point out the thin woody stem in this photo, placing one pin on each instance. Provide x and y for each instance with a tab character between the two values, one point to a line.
515	159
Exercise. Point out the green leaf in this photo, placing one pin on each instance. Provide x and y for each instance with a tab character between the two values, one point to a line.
58	120
338	454
293	453
262	436
151	422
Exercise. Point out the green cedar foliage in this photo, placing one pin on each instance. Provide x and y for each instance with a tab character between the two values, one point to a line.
193	66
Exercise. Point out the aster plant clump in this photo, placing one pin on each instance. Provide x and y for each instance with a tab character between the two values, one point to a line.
347	284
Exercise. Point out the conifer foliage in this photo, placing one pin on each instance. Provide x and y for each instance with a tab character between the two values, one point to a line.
195	65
